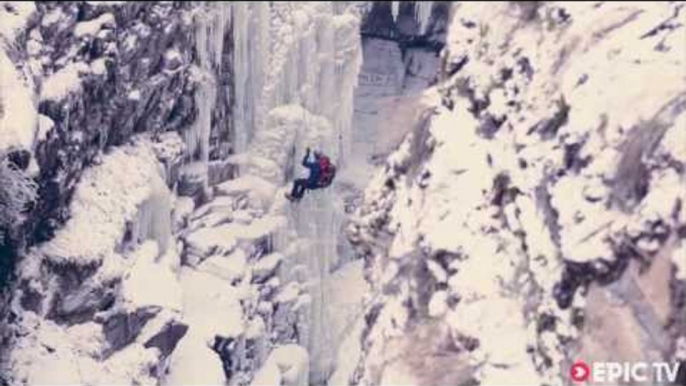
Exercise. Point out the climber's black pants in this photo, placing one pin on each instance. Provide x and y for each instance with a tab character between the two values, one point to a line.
299	187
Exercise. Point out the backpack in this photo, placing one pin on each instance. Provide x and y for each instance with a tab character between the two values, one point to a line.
327	171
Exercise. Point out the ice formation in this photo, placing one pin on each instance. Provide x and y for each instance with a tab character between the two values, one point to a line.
297	66
422	13
211	25
251	41
299	54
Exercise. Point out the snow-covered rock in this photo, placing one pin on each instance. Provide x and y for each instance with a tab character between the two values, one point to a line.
194	363
92	27
87	290
136	289
539	170
107	198
230	268
18	122
286	365
59	98
266	267
257	189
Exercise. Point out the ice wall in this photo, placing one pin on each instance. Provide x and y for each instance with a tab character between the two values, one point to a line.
296	68
295	53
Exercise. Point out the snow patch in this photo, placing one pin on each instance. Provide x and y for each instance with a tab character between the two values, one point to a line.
45	124
64	82
679	260
211	306
286	365
91	27
193	362
136	289
18	115
15	16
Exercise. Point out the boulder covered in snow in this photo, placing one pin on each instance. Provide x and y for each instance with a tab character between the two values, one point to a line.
286	365
257	189
265	268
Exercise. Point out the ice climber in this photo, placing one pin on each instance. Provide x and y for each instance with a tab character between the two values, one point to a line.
322	172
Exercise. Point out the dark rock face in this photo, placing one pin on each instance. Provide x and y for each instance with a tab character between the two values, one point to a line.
167	339
20	159
7	259
229	351
140	80
121	329
81	304
107	112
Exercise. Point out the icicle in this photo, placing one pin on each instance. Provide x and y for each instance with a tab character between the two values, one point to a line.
349	62
222	19
211	26
251	22
327	88
240	22
395	10
423	14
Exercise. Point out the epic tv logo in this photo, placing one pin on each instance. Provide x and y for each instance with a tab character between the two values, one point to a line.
614	372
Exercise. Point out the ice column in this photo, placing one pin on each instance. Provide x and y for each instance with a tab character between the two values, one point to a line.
153	220
395	9
211	25
251	23
348	62
423	14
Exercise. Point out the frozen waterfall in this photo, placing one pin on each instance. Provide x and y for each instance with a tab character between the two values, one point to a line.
293	53
296	67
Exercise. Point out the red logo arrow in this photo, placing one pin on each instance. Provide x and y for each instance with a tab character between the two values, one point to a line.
579	372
